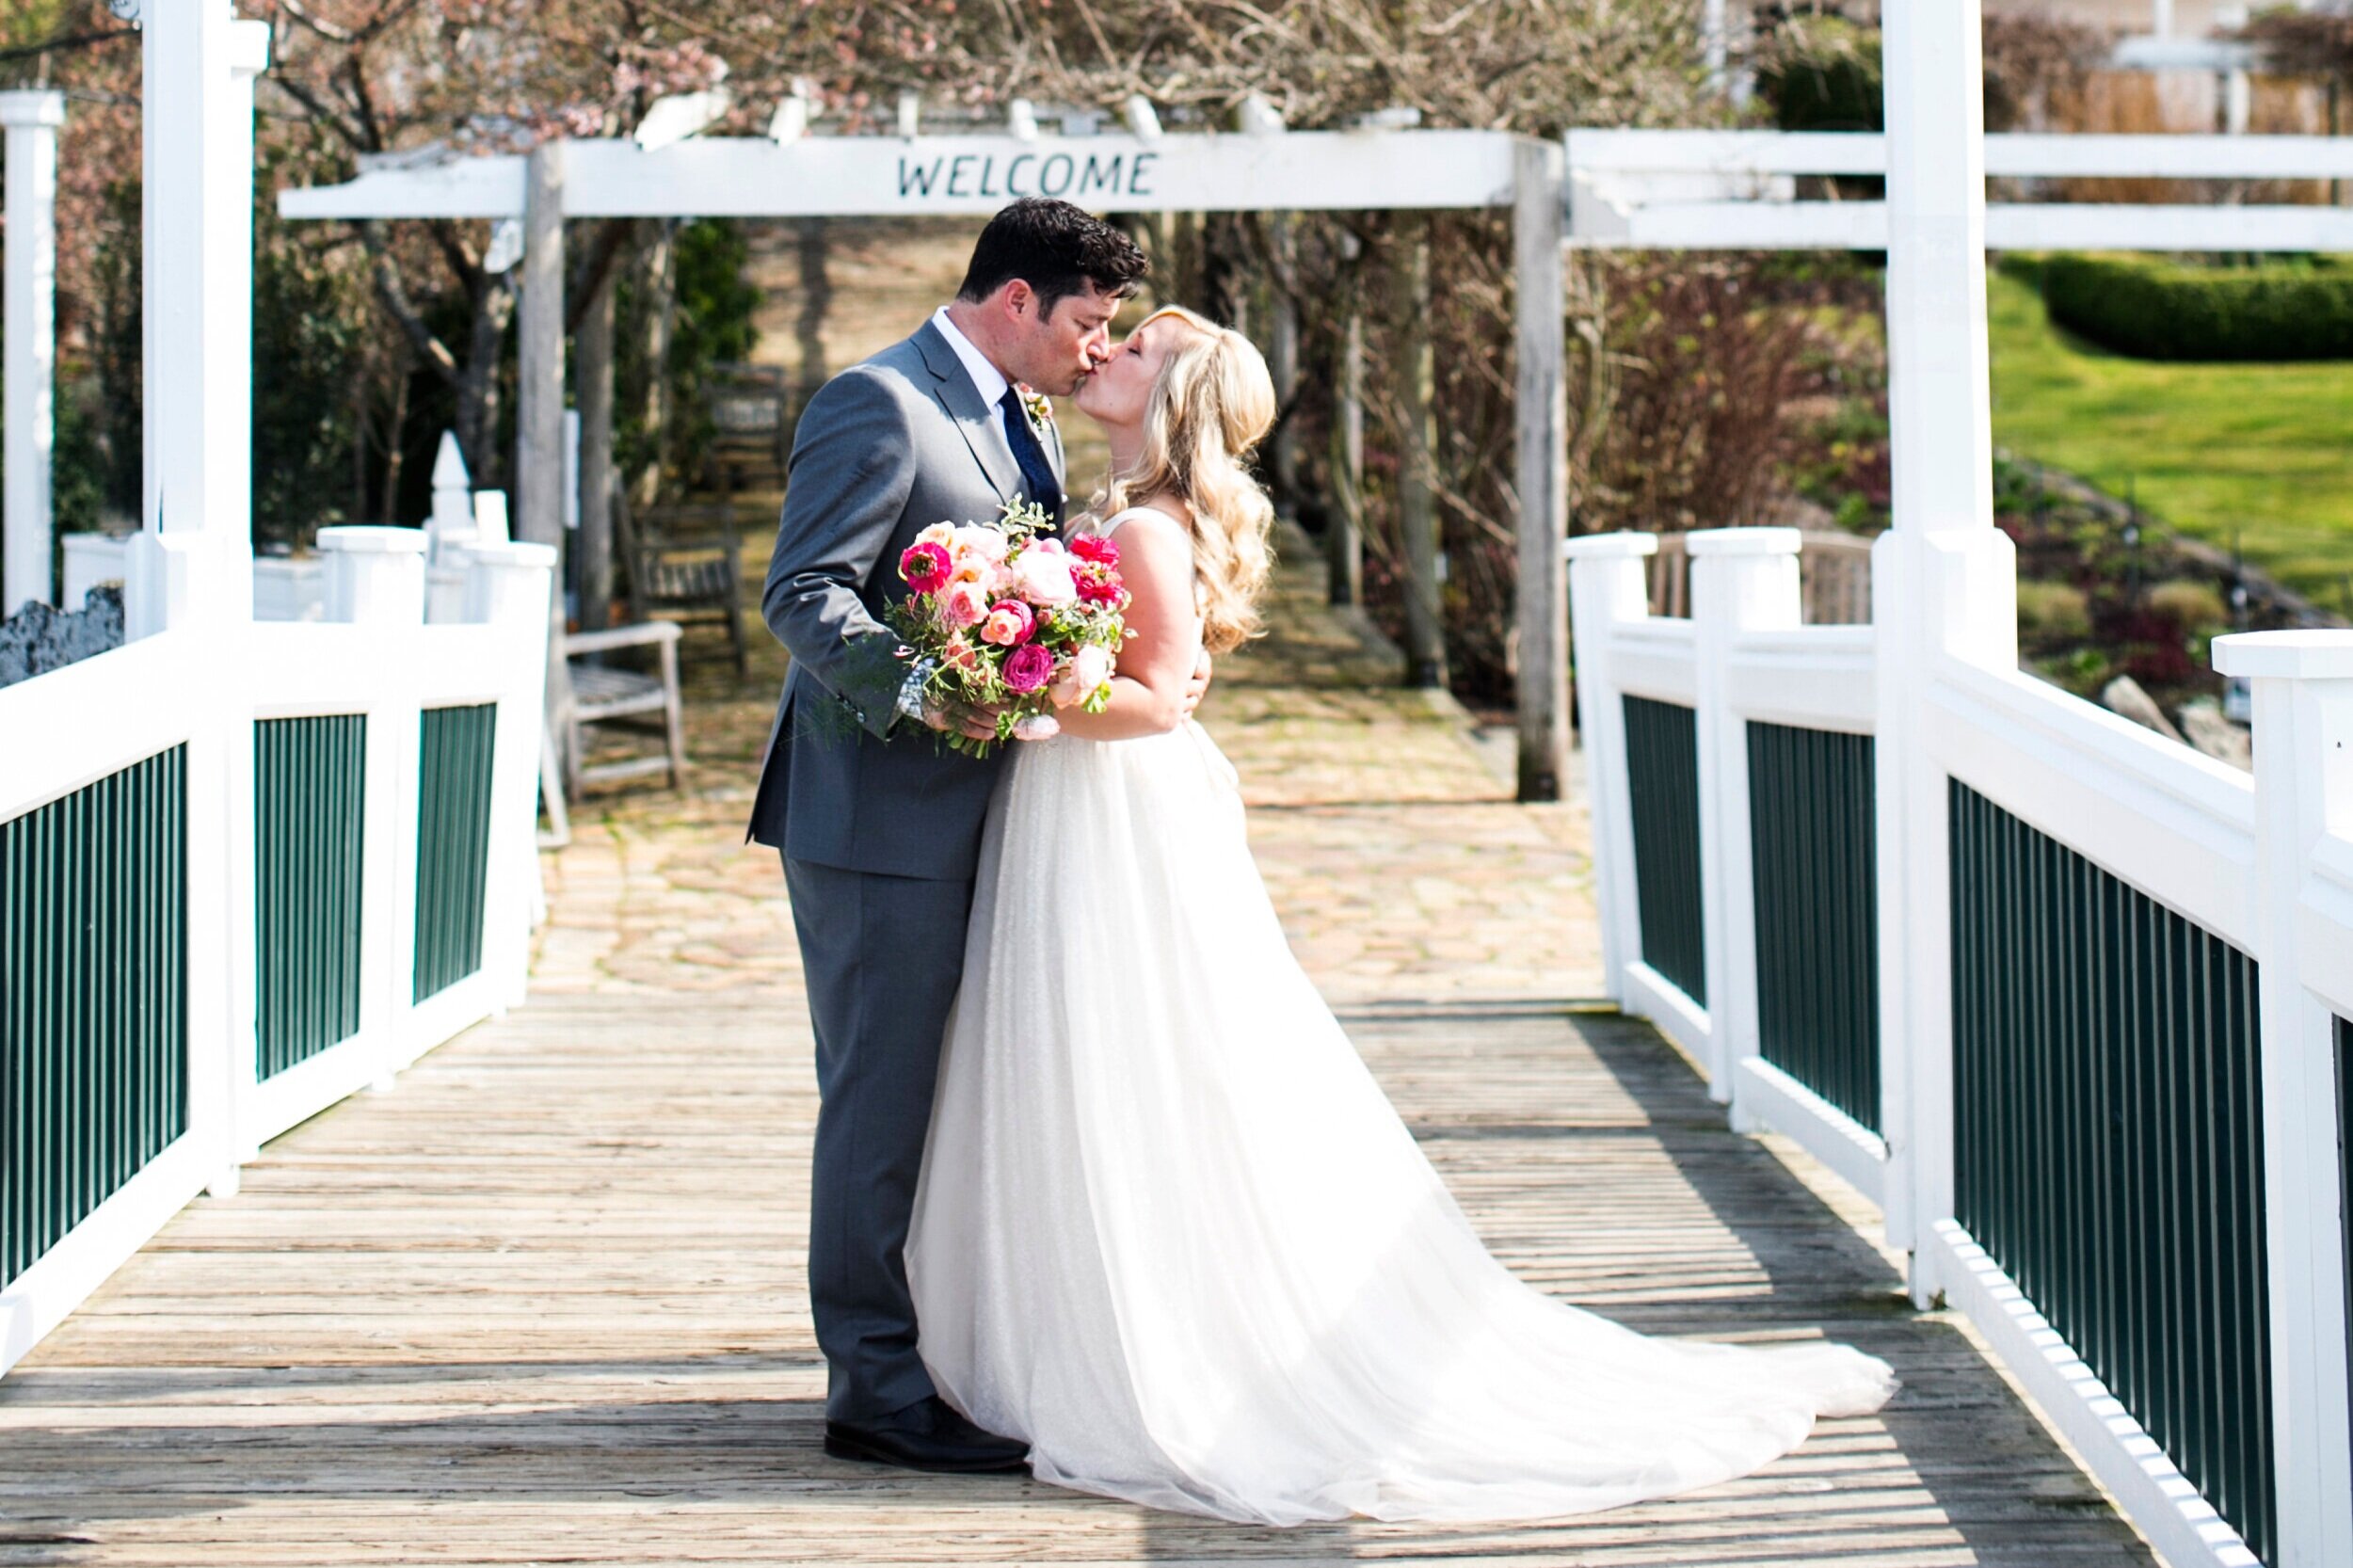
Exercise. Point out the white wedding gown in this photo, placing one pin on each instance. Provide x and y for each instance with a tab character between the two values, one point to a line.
1170	1233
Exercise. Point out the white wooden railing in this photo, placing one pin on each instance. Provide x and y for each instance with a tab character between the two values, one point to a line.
2224	868
204	688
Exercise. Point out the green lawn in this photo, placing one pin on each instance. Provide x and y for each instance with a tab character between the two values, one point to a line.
2267	447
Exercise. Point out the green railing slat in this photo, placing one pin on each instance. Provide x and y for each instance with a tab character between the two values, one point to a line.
1662	764
309	804
453	842
93	999
2108	1140
2344	1178
1813	814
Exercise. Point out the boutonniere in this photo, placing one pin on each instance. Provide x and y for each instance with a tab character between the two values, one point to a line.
1039	407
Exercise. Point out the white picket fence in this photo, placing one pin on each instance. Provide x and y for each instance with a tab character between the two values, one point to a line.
2263	865
204	688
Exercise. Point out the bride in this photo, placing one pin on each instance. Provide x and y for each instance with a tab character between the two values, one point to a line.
1169	1231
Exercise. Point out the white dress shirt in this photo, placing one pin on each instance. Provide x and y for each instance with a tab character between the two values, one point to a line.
987	377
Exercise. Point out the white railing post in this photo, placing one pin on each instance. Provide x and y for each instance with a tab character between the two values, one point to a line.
32	120
376	578
507	585
2303	690
1607	587
1942	577
450	529
193	561
1742	580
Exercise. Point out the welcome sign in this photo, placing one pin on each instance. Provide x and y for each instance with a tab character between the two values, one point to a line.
888	176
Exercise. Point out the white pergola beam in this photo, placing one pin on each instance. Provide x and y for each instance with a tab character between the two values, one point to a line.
32	120
881	176
2009	226
2017	153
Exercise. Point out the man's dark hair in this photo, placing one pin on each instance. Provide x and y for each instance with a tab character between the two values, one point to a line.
1058	250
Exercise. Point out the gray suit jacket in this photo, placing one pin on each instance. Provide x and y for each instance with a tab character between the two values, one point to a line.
884	450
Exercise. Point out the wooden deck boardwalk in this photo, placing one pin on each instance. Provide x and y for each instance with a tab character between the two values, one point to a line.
543	1302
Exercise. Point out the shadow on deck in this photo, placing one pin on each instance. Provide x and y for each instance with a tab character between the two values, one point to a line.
542	1304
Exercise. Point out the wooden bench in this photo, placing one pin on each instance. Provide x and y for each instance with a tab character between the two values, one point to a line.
593	692
684	565
748	427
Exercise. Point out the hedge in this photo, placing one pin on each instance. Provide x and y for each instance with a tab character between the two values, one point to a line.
2167	311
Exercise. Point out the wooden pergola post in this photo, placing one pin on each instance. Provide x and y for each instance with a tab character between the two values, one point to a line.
539	376
32	120
1416	500
1541	597
595	371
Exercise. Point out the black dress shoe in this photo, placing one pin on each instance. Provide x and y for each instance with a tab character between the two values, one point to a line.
926	1435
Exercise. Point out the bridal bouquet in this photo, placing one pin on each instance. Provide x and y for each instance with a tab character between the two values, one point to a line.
1002	617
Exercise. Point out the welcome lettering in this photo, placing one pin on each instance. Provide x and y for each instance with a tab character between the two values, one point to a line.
972	175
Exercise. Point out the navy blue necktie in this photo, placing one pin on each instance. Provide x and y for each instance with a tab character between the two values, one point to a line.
1037	474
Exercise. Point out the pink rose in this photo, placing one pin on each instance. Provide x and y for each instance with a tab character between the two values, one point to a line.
1049	544
1091	666
924	566
1027	667
1044	578
989	544
1009	625
960	653
964	605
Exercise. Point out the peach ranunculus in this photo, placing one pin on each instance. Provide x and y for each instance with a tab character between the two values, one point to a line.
1010	624
942	533
1044	577
963	604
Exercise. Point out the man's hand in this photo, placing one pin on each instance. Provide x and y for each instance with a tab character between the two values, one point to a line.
1196	688
974	722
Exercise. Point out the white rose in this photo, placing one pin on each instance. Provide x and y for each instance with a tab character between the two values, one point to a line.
1090	667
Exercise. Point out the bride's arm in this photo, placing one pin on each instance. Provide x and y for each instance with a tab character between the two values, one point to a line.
1148	690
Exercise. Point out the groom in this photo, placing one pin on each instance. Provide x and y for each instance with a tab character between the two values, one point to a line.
879	820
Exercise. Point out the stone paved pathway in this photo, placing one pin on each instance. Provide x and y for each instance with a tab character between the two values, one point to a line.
1404	870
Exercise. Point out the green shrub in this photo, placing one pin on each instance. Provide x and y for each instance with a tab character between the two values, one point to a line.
2191	605
2168	310
2053	611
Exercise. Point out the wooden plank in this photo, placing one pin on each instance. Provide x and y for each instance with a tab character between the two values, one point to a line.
545	1302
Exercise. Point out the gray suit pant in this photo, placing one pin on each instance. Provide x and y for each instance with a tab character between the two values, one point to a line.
883	957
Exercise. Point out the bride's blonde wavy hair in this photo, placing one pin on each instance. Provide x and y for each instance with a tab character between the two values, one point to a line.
1211	403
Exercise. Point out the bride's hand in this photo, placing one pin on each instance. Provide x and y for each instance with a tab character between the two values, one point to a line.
1198	686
